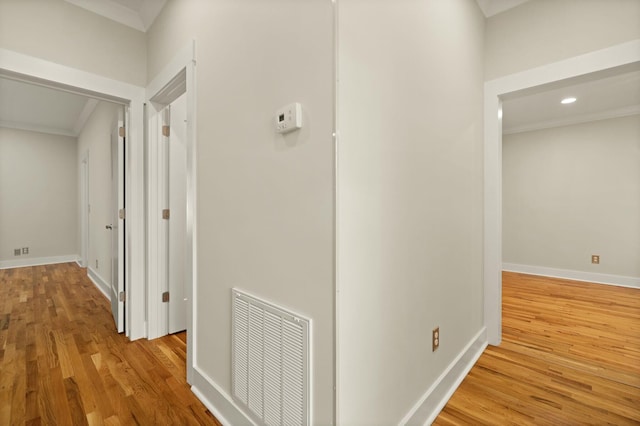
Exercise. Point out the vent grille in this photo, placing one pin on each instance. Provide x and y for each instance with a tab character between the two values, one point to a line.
270	362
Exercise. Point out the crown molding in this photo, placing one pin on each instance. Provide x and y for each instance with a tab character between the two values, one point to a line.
577	119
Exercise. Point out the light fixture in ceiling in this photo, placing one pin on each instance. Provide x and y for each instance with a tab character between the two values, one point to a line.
568	100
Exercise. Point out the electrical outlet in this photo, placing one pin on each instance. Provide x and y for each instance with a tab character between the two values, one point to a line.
435	339
595	258
17	252
25	250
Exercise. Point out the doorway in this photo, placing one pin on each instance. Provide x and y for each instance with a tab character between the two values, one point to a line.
39	72
176	81
495	90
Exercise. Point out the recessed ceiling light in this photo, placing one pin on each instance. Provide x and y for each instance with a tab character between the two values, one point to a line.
568	100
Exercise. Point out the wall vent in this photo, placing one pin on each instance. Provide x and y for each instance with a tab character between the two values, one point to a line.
270	362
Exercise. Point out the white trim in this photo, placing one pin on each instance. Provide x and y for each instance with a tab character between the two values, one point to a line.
84	209
217	400
426	410
114	11
615	56
577	119
39	71
100	283
592	277
37	261
181	68
140	18
37	128
337	372
184	57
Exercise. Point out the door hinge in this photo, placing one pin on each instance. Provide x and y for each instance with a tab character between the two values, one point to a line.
121	132
122	297
166	213
122	214
166	131
165	296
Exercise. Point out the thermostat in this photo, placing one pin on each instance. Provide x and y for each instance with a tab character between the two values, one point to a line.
289	118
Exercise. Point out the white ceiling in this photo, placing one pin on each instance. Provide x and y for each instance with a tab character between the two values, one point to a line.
41	109
615	93
138	14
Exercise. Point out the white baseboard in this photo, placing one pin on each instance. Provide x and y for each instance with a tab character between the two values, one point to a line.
217	400
99	282
592	277
436	397
37	261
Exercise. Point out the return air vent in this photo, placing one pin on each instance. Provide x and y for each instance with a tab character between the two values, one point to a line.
270	362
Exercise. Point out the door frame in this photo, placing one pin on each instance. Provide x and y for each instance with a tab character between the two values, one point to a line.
119	191
176	78
84	210
600	60
41	72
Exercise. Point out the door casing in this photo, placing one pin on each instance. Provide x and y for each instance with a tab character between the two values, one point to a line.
616	56
176	78
38	71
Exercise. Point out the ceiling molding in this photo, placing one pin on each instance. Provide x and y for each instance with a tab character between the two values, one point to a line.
140	18
37	129
577	119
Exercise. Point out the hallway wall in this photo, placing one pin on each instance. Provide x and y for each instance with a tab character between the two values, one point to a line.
38	196
95	139
61	32
573	191
410	113
265	208
540	32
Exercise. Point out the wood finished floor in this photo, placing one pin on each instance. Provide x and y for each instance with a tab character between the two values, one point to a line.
570	355
62	363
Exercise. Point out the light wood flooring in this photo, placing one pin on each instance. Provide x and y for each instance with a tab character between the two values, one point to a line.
570	355
62	363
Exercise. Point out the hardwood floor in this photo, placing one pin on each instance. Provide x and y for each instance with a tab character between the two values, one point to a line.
570	355
62	363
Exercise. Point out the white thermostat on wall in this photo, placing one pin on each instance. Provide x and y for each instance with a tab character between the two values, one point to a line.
289	118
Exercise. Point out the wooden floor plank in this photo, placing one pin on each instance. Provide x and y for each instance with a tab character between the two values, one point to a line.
62	362
570	355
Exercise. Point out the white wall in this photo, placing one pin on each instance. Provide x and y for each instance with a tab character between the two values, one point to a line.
38	195
540	32
95	139
60	32
410	199
571	192
265	201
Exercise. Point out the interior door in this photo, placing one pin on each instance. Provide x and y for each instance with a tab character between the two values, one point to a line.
117	225
177	185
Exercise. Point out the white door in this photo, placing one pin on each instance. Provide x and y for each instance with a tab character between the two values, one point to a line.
177	176
84	210
117	225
